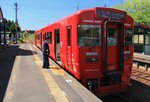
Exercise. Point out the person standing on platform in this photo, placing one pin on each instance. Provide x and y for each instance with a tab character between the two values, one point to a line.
46	53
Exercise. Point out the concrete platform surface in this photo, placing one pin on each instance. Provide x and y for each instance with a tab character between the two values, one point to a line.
26	81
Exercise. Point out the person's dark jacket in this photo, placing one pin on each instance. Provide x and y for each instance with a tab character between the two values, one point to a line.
46	48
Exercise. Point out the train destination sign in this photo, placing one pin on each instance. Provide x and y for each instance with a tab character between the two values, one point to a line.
111	14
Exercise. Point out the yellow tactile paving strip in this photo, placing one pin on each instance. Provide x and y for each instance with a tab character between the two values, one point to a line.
57	70
57	93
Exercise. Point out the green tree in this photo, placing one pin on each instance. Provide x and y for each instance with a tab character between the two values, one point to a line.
13	27
138	9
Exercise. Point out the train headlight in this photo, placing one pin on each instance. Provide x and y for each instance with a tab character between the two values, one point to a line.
91	59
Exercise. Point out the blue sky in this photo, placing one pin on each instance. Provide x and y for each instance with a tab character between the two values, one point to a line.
34	14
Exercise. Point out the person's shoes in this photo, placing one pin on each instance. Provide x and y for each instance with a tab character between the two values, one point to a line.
47	67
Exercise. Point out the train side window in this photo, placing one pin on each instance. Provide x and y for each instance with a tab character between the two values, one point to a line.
69	36
38	36
43	37
112	36
129	37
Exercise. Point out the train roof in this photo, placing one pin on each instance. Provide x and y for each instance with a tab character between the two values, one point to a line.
84	10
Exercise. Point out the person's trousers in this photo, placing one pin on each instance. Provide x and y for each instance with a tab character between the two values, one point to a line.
45	60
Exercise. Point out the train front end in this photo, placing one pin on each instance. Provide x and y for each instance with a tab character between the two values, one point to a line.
105	50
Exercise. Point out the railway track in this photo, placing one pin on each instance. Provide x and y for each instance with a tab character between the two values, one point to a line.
124	99
141	76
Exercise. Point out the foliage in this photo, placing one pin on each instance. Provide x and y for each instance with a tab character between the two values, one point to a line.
138	9
29	37
14	27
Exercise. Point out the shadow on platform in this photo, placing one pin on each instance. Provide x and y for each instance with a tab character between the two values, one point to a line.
7	59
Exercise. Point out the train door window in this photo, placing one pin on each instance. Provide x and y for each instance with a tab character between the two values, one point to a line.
50	34
69	36
112	36
57	44
57	33
129	37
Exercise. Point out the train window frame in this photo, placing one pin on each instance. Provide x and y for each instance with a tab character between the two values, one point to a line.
129	34
84	39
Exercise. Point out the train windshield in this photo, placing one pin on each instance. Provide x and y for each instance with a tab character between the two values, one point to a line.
89	35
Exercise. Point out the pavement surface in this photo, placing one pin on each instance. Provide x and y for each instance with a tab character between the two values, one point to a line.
23	80
7	58
26	83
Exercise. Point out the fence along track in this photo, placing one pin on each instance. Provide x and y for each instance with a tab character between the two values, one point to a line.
141	76
140	58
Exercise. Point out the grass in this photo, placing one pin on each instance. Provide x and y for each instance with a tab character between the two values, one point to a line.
28	37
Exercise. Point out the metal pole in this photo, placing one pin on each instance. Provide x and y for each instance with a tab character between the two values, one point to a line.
16	12
4	34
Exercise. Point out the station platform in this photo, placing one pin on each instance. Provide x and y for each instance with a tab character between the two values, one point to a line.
22	79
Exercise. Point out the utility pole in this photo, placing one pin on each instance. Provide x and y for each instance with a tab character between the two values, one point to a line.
4	29
16	14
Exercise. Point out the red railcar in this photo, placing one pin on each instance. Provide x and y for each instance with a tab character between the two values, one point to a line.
95	45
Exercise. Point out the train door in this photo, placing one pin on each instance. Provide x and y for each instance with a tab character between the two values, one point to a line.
114	47
69	49
41	41
57	44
